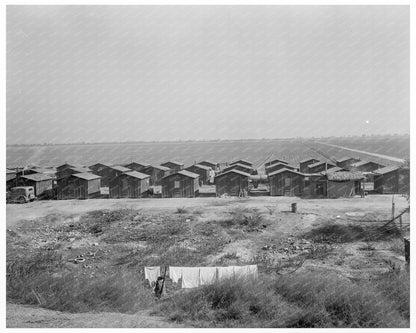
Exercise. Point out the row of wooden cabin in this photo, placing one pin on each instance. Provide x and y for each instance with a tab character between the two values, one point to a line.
312	178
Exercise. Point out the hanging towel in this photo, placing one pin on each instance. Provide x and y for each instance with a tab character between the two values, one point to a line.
151	273
241	272
225	272
190	277
207	275
175	273
252	271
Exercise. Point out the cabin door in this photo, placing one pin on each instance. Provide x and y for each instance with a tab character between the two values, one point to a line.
287	187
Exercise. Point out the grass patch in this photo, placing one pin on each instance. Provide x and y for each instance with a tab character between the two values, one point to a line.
41	279
302	300
246	218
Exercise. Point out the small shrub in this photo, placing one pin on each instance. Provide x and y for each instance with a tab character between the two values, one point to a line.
181	210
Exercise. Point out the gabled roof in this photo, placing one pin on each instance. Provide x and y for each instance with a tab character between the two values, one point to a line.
85	175
70	165
10	171
108	165
136	163
43	170
185	173
276	160
285	170
204	167
345	176
120	168
136	174
233	171
307	160
241	161
37	177
173	162
160	167
318	164
81	170
386	169
280	163
360	163
208	161
345	158
240	165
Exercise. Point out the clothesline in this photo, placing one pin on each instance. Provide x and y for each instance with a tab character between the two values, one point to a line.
192	277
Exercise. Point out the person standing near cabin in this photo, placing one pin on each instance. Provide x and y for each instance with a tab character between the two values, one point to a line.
362	190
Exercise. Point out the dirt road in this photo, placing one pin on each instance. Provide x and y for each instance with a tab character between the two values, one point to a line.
16	213
390	158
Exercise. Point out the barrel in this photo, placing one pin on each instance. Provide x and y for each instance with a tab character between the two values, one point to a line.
294	207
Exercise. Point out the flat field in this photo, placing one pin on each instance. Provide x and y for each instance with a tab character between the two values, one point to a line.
331	264
256	151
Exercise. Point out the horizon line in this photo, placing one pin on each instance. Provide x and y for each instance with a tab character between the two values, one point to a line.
196	140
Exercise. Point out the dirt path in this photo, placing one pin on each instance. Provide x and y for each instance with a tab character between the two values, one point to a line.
16	213
23	316
386	157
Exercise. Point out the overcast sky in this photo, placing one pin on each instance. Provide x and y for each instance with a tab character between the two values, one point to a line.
118	73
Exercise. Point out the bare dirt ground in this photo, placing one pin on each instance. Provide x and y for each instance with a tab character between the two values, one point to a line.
210	235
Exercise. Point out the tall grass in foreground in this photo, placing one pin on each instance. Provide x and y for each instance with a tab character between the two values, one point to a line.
295	300
65	291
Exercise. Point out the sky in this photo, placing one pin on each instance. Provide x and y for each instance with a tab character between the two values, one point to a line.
162	73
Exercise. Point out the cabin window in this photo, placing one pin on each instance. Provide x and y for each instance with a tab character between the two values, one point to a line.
287	182
176	184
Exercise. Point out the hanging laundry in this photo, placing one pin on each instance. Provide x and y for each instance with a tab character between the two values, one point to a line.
241	272
151	273
252	271
190	277
207	275
175	273
225	272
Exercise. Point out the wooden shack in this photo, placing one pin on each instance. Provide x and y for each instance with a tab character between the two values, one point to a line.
173	165
286	182
108	172
182	184
131	184
303	165
203	171
391	180
365	166
135	166
78	186
233	182
156	173
278	166
244	162
67	169
39	181
319	167
345	162
343	183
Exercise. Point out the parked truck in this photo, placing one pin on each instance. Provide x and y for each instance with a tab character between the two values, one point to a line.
20	194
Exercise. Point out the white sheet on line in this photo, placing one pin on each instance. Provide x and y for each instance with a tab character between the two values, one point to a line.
207	275
151	273
225	272
190	277
175	273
